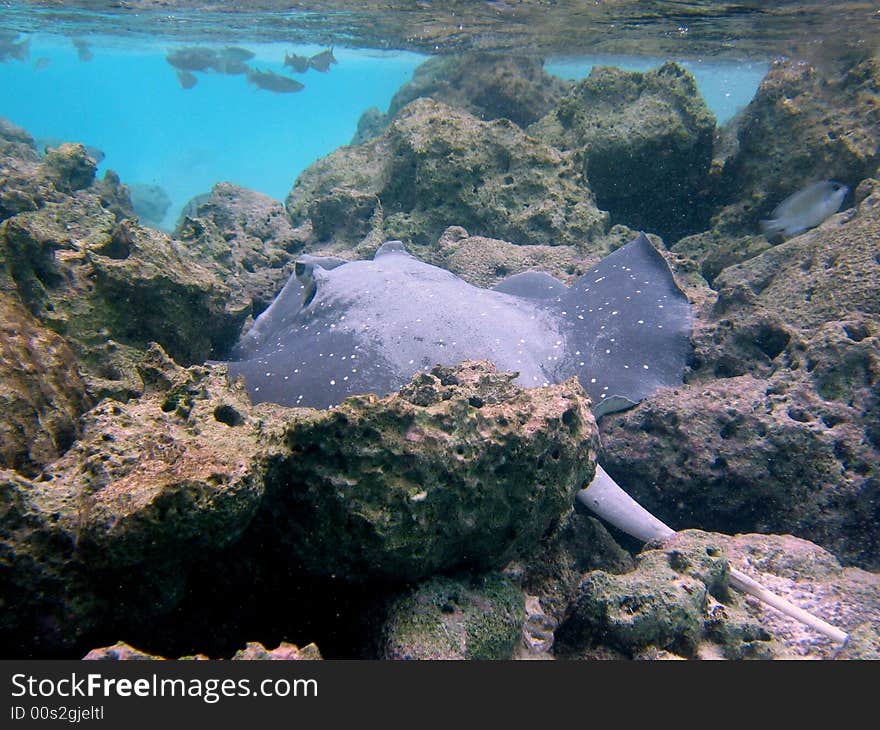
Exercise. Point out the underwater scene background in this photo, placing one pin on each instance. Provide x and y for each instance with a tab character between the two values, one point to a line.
195	191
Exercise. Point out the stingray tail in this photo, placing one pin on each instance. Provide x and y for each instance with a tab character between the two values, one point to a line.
605	498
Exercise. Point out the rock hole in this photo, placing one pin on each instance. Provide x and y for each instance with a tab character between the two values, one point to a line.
727	367
719	463
228	415
855	332
831	420
119	246
728	430
771	340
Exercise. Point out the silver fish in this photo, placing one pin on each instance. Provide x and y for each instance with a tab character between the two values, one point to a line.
805	209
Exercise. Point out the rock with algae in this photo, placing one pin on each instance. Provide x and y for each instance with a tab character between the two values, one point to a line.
678	601
776	430
253	651
446	618
643	140
436	166
461	468
41	392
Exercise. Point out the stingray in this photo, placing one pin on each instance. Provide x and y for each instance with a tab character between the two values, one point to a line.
343	328
340	328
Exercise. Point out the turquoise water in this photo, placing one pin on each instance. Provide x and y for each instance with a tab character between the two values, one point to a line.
127	102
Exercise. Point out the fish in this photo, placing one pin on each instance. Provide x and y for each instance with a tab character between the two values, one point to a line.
321	61
41	63
13	48
272	81
232	60
300	64
342	328
192	59
83	52
186	79
805	209
234	53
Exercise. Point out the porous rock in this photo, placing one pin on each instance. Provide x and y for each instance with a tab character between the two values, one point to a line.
485	262
461	468
643	140
105	537
678	600
479	617
246	238
488	86
800	127
435	166
41	393
112	288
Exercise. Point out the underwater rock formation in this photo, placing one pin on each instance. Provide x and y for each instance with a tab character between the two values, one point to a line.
111	288
488	86
456	618
436	166
800	128
643	141
104	537
246	238
776	430
367	492
29	180
486	262
677	600
108	534
254	651
41	391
